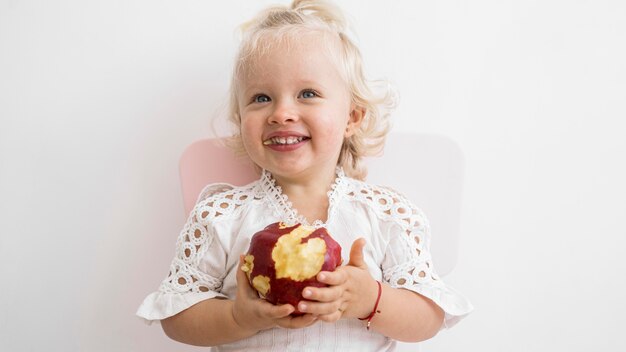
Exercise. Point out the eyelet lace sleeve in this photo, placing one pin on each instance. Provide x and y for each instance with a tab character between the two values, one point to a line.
196	272
408	262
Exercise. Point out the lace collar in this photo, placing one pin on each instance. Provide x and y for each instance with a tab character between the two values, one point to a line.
284	208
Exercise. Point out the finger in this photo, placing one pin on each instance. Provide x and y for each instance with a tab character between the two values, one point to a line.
332	317
319	308
333	278
356	253
322	294
276	312
297	322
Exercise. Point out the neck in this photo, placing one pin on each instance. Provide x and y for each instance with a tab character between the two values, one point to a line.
309	195
306	184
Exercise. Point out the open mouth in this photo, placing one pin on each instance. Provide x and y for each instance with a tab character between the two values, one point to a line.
284	140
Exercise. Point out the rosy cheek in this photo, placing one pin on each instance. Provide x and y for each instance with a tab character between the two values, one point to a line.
247	132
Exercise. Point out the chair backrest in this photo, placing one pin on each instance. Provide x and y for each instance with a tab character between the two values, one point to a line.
428	169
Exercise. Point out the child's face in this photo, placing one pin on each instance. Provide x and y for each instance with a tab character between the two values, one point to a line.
295	109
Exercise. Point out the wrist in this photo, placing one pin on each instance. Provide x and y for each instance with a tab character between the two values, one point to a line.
244	329
375	310
368	299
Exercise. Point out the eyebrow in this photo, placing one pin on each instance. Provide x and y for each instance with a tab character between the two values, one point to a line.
306	83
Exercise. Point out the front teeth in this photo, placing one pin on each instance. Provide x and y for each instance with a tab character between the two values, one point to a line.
283	140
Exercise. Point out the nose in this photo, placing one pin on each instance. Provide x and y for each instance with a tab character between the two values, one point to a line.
284	112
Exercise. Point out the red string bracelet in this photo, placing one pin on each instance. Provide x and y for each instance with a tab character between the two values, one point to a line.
369	317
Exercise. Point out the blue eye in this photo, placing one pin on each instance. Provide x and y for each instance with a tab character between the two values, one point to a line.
261	98
307	94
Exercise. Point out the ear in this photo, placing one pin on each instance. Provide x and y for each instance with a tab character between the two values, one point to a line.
357	114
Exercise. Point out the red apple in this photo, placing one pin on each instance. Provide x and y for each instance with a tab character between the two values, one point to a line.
282	260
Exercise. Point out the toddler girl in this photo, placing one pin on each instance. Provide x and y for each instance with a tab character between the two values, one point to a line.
306	116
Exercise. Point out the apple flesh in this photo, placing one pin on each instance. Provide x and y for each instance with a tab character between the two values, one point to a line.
282	260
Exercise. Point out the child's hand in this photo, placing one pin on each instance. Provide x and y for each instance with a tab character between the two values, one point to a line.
256	314
351	292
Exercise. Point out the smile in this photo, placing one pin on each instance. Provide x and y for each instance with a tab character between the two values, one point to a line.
284	140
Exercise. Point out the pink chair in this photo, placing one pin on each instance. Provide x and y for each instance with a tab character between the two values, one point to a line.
209	161
428	169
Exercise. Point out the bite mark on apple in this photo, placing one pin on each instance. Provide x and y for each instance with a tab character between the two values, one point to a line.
298	260
262	284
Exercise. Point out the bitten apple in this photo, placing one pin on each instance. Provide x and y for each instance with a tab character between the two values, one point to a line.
282	260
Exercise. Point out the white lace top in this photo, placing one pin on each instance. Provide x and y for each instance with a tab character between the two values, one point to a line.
224	219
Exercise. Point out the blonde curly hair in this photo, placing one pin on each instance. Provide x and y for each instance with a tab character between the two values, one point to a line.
278	23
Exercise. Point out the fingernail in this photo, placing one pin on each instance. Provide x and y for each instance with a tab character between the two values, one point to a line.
307	293
322	277
302	307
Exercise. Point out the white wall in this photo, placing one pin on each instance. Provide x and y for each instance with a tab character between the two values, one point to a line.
99	98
